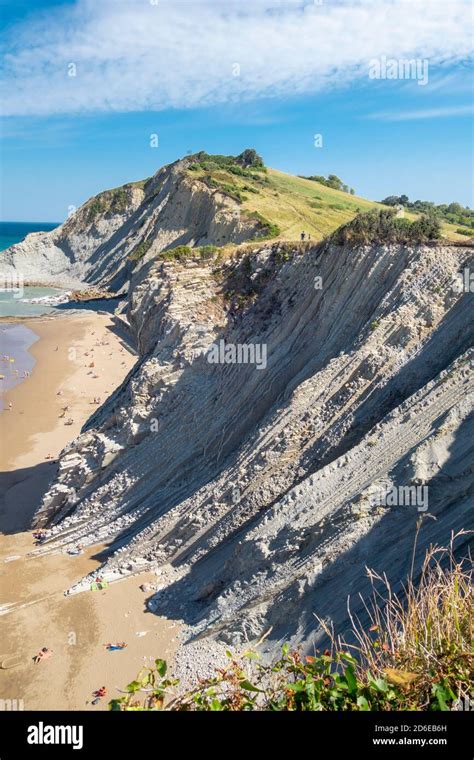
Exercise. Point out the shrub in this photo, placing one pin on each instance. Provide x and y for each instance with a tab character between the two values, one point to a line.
110	201
332	181
427	630
427	227
454	212
179	253
382	225
207	251
248	159
140	250
118	200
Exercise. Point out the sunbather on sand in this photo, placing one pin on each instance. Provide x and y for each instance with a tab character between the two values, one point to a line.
114	647
43	654
99	694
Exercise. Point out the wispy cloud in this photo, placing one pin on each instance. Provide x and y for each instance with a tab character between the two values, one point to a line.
132	55
425	113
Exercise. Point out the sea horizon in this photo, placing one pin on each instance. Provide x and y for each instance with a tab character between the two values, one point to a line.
13	232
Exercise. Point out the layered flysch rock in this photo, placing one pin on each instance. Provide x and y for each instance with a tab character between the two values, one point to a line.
250	487
119	230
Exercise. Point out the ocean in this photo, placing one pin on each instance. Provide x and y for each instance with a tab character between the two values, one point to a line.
15	232
15	303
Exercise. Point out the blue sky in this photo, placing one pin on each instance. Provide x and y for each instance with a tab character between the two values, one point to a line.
224	76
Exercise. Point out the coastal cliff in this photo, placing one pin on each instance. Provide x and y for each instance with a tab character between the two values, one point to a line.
280	389
114	233
249	487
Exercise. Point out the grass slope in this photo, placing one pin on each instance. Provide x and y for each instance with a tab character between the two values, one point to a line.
293	203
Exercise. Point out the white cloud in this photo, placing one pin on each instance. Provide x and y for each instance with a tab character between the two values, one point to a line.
426	113
134	55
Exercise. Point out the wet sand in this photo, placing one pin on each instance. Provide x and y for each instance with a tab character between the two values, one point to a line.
15	342
33	609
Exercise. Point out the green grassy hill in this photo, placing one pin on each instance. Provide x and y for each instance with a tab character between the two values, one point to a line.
290	204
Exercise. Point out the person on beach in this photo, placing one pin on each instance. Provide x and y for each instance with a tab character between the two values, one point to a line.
100	583
43	654
302	236
115	647
98	694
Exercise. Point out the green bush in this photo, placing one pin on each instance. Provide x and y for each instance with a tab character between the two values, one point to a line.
207	251
383	226
248	159
179	253
427	227
110	201
454	212
118	200
331	181
140	250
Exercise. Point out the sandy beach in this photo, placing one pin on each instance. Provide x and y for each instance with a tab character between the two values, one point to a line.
79	358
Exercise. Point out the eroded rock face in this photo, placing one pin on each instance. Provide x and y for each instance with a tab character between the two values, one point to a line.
114	234
250	490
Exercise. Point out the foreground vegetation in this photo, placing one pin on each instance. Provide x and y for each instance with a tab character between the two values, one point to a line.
414	653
